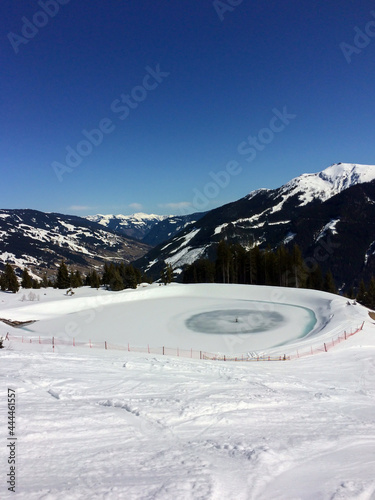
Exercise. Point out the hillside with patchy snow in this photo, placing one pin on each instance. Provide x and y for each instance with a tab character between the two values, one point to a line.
150	228
39	241
329	215
136	225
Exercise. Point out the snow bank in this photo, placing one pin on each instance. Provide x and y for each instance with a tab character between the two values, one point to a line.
116	425
233	319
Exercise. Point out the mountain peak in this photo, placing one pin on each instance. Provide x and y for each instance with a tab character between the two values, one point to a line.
327	183
344	175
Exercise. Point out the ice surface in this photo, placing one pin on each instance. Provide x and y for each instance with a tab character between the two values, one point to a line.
103	424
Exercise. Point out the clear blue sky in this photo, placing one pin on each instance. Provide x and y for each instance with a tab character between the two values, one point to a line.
179	90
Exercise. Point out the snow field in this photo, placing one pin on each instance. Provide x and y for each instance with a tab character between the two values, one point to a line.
228	319
115	425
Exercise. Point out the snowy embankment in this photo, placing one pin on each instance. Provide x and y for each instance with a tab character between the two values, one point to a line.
115	425
229	319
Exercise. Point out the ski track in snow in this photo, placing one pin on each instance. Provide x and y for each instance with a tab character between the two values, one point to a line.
119	425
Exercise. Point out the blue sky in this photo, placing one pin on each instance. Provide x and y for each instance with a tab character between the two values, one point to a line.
176	107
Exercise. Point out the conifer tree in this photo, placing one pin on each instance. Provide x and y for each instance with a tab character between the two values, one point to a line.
329	283
129	277
62	279
282	264
27	281
271	273
252	263
2	282
116	282
44	283
223	262
370	298
36	284
361	295
10	281
138	275
200	271
350	293
169	272
108	273
299	273
94	279
76	279
315	278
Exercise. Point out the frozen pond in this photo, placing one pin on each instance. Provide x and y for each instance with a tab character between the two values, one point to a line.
213	318
234	321
251	324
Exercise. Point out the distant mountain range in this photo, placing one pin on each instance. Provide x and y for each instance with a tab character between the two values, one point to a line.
330	215
136	225
39	241
149	228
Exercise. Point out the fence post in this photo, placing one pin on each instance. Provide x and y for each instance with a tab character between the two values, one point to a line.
148	348
90	343
200	354
325	347
163	351
105	344
74	342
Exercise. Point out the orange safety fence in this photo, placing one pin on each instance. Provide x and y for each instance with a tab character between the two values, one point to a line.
185	353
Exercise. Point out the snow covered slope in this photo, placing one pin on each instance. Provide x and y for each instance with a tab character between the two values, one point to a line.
109	424
150	228
336	204
323	185
229	319
136	225
41	240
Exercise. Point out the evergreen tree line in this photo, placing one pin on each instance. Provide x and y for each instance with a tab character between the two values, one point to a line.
121	276
115	277
8	279
366	295
281	267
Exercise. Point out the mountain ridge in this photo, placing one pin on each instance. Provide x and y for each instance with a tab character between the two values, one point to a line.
275	217
39	241
151	229
336	205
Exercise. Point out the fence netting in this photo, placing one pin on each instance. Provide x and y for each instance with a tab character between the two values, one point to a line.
54	342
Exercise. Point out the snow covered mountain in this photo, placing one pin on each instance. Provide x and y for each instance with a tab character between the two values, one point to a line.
323	185
150	228
40	240
136	225
335	205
